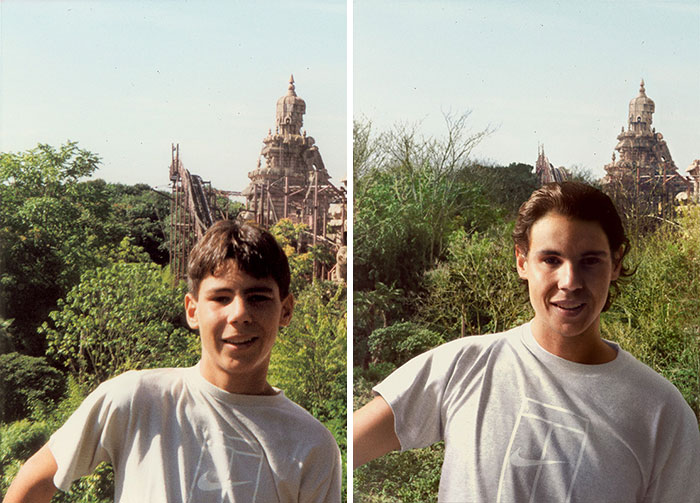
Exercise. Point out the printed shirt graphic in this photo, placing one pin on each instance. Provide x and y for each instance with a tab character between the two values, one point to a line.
543	455
235	470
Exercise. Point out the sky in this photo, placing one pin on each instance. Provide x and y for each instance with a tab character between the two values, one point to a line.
126	79
560	74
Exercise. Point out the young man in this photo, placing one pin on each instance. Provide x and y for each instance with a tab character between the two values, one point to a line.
217	432
548	411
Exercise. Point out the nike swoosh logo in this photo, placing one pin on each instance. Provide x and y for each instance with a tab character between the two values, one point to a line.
517	460
205	484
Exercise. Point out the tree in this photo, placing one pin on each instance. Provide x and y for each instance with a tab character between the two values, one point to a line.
49	228
408	197
121	317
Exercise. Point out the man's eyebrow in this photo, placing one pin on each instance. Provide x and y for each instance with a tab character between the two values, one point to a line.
259	289
589	253
252	289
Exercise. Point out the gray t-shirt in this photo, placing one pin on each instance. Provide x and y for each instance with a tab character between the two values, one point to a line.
523	425
174	437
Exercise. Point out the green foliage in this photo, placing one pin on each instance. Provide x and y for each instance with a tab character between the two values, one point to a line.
402	341
476	289
290	237
506	187
6	344
120	317
408	197
26	383
141	214
18	441
409	477
48	228
308	359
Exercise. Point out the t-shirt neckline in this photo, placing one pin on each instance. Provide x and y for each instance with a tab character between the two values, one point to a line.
557	362
195	378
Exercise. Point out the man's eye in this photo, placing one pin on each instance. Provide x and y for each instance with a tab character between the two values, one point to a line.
221	299
551	260
589	261
258	298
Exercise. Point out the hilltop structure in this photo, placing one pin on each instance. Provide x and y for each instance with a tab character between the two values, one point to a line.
645	169
545	170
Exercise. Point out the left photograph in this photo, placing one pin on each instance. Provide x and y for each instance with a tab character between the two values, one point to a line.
173	249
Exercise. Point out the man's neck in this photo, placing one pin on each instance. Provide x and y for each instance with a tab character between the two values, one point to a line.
588	348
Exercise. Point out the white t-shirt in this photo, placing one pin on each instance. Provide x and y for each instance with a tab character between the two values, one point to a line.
174	437
523	425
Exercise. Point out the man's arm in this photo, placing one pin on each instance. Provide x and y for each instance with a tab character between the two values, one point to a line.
373	432
34	481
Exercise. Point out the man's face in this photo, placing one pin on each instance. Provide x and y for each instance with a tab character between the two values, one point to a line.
568	268
238	317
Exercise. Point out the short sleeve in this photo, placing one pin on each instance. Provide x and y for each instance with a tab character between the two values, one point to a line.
677	460
321	481
93	432
415	393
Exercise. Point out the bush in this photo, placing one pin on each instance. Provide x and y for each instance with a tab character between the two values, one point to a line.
402	341
26	383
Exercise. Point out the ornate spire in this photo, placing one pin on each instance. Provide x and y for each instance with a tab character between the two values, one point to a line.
642	91
290	89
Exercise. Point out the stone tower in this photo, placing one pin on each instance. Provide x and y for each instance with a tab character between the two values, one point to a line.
284	186
645	165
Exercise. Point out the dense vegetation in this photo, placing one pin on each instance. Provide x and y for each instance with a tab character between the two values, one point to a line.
85	294
434	261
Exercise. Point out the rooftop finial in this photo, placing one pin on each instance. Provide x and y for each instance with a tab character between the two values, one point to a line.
290	90
641	88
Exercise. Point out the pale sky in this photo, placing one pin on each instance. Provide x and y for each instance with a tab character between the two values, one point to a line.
126	79
557	73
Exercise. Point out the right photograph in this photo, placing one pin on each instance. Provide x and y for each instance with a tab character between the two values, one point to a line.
526	252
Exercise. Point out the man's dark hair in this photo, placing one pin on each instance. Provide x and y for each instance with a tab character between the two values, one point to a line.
254	250
581	202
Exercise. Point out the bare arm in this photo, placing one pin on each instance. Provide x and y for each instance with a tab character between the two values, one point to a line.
34	481
373	432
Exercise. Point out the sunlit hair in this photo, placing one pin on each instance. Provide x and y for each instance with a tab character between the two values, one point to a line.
254	250
581	202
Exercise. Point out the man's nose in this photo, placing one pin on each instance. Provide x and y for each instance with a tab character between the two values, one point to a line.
569	277
238	310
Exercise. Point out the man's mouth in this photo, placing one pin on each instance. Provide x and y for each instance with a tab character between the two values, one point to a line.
240	343
569	307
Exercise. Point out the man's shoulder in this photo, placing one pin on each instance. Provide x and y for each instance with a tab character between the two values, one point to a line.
473	345
648	382
138	383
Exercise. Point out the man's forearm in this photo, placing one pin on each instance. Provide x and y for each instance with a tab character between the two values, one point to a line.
34	481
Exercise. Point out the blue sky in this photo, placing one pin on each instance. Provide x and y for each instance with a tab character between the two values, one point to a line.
128	78
557	73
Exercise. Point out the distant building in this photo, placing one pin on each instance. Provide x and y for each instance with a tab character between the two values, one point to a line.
293	183
645	168
545	170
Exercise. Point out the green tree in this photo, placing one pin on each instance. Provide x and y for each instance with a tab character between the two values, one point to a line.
27	382
121	317
49	228
408	197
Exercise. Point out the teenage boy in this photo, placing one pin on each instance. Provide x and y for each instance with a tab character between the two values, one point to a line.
548	411
216	432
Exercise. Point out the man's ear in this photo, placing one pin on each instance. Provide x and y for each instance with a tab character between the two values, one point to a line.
191	311
287	310
521	262
617	264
